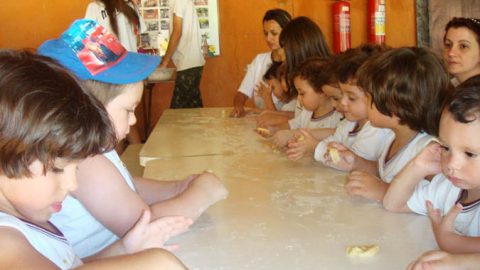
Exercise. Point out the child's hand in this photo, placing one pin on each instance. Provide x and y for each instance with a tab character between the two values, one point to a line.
435	260
365	185
268	118
153	234
428	160
282	137
347	157
263	90
303	144
443	227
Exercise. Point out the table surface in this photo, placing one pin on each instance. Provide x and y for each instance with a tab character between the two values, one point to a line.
282	214
200	132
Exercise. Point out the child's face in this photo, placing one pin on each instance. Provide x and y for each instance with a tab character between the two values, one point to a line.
122	109
37	197
376	118
309	99
277	89
462	53
335	96
354	101
460	151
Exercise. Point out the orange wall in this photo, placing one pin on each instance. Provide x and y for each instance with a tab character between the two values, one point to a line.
27	23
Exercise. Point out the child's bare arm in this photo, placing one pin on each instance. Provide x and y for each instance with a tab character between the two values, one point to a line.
322	133
426	163
441	260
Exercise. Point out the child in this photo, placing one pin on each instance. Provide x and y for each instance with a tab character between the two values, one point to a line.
318	113
441	260
356	132
451	199
40	147
89	221
274	84
405	88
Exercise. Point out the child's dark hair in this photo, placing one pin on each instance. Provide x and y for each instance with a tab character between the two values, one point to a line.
410	83
317	72
281	16
44	115
272	71
472	24
464	102
348	62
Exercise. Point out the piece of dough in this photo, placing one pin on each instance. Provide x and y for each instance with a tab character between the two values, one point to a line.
362	250
334	156
264	131
301	138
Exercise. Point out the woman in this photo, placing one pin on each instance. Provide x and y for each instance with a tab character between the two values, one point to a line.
461	48
273	23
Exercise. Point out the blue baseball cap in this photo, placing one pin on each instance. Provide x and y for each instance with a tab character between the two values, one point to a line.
92	53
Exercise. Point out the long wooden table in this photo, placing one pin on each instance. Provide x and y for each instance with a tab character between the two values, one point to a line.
282	214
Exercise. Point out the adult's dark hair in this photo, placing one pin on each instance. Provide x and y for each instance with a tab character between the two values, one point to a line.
281	16
472	24
124	7
464	102
45	114
301	39
410	83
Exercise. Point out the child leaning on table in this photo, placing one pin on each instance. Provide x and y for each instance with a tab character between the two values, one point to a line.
354	132
452	198
88	220
48	125
319	118
405	88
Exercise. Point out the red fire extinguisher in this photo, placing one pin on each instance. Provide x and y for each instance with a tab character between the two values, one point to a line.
341	26
376	21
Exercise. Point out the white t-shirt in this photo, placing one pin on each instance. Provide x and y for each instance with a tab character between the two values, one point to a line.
189	50
444	195
52	246
387	170
255	71
368	143
290	106
305	120
127	33
87	235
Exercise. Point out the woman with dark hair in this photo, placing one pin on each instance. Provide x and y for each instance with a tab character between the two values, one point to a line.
461	48
273	23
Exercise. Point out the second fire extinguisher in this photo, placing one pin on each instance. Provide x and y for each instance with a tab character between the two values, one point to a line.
341	26
376	21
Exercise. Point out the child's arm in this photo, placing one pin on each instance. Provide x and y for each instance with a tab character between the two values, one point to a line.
322	133
365	185
444	231
15	248
274	118
426	163
302	145
441	260
349	161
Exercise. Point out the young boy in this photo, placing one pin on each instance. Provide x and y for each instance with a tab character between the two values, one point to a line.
48	124
405	88
452	198
355	131
89	221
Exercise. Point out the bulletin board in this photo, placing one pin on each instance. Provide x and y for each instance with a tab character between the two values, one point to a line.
155	14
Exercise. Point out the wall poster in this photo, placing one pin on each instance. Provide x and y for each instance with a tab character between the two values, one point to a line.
155	14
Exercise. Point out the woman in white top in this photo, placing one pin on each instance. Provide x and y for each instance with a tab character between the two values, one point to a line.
273	23
462	48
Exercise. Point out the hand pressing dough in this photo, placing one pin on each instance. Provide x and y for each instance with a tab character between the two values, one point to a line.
301	138
334	156
362	250
264	131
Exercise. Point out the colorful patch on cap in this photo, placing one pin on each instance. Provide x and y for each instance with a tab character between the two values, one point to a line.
96	48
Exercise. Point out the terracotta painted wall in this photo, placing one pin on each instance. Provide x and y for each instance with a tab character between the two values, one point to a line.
27	23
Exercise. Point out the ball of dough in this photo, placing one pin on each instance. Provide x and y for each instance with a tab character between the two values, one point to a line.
264	131
334	156
362	250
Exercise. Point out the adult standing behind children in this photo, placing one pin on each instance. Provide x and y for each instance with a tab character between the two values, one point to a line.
461	44
121	18
185	50
273	21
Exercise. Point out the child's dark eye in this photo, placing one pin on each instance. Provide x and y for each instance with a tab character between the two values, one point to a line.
444	148
57	170
470	155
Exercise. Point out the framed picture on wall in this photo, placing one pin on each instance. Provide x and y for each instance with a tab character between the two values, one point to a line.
156	14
